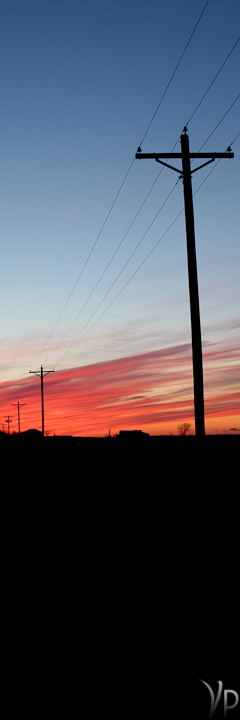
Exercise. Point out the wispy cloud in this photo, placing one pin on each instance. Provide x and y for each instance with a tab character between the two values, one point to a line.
147	390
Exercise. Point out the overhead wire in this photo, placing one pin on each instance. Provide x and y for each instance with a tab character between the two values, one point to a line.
220	121
174	73
213	81
127	261
88	258
140	265
215	164
136	215
108	264
116	197
120	291
125	177
74	343
71	348
233	141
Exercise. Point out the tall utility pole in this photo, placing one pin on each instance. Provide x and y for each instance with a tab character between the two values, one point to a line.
186	174
18	405
41	374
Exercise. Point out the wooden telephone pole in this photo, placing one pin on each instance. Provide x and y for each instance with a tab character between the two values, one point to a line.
8	421
18	405
186	174
41	374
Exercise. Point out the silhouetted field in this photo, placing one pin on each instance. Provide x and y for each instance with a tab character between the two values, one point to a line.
122	567
157	457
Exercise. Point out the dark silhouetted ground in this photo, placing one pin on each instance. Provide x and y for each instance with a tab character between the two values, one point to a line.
120	573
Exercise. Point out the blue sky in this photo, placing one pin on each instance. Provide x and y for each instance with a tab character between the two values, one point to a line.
80	82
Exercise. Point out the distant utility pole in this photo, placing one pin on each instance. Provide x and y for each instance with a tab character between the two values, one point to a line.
18	405
41	375
186	173
8	420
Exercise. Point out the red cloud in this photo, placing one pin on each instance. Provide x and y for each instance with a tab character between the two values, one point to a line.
141	391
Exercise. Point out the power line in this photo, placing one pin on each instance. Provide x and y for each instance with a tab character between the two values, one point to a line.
213	81
125	177
136	215
138	210
219	123
139	266
233	141
120	291
122	270
214	167
177	66
204	95
111	259
88	258
142	263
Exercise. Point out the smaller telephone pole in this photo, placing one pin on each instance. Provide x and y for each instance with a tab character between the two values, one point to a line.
41	373
8	420
18	405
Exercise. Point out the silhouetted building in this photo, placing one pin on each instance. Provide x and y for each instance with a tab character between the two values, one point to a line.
133	435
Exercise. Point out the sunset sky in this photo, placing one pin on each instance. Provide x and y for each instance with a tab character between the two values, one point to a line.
92	284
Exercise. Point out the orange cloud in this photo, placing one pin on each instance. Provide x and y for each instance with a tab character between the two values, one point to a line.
149	391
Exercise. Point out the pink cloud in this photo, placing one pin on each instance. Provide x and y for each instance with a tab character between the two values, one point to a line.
148	389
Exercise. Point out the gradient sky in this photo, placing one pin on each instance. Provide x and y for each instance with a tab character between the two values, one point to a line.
80	82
